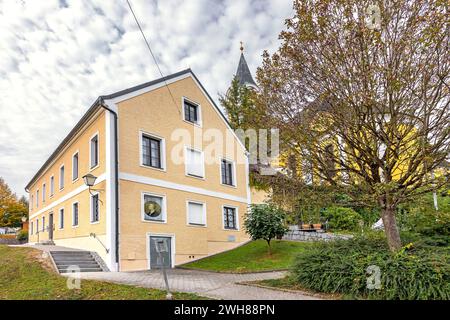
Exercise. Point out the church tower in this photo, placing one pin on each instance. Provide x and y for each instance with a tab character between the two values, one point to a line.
243	72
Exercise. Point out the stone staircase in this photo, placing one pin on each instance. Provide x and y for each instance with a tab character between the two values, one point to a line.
84	260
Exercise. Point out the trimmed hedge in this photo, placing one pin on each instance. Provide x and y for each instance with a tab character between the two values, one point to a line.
341	267
341	218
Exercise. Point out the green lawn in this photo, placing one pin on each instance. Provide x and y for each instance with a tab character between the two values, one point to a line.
24	277
252	257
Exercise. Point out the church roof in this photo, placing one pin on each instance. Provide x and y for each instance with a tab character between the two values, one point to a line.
243	73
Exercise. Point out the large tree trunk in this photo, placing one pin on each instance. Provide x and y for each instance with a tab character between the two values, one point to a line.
390	228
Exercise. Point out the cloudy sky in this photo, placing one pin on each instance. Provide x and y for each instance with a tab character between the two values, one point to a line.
56	57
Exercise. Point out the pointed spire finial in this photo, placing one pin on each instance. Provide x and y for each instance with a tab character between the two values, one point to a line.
242	47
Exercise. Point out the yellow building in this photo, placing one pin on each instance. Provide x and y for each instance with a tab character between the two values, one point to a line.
162	173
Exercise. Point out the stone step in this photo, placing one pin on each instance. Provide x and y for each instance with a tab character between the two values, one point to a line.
64	270
84	260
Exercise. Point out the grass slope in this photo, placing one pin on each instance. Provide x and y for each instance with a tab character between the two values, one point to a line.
24	277
252	257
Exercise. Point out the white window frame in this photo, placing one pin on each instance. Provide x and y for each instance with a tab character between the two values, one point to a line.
43	223
52	185
162	150
76	153
31	201
234	177
63	219
186	164
63	178
37	226
90	151
204	213
91	212
44	187
37	198
73	215
199	122
31	227
163	207
238	227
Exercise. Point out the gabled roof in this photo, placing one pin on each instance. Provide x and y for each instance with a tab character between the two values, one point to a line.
99	101
243	73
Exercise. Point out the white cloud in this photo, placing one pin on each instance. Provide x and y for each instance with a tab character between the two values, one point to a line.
56	57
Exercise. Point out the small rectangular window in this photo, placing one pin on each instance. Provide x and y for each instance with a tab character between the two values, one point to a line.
52	185
75	214
227	172
196	213
151	152
43	192
94	208
37	225
61	178
191	112
31	201
37	198
31	227
43	223
153	208
229	218
75	167
194	163
94	151
61	218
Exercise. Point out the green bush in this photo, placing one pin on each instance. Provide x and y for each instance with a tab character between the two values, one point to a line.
341	218
341	267
22	235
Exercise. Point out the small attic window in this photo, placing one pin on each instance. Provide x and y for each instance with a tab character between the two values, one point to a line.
191	112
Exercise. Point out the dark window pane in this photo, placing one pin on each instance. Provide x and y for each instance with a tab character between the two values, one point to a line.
95	212
229	216
227	172
151	152
94	151
190	112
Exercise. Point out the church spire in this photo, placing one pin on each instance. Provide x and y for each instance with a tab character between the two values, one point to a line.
243	72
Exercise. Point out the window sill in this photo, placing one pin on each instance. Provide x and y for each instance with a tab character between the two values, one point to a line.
229	185
195	225
198	124
95	222
194	176
74	180
74	227
154	221
153	168
231	229
94	167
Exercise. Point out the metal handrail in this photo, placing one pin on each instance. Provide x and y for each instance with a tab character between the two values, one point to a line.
93	235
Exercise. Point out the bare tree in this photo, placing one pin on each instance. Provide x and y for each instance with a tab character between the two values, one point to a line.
373	77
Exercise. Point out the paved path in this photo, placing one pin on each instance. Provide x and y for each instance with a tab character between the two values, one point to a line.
207	284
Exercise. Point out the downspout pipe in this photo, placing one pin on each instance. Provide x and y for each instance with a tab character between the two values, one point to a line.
116	177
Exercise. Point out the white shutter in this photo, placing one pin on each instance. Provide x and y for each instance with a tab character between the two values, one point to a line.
194	162
196	214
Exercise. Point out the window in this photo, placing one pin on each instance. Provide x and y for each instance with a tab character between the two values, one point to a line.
194	163
153	207
43	192
93	155
191	112
61	178
227	170
94	208
196	213
229	218
75	167
52	185
31	202
31	227
43	223
152	152
75	214
37	225
37	198
61	218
